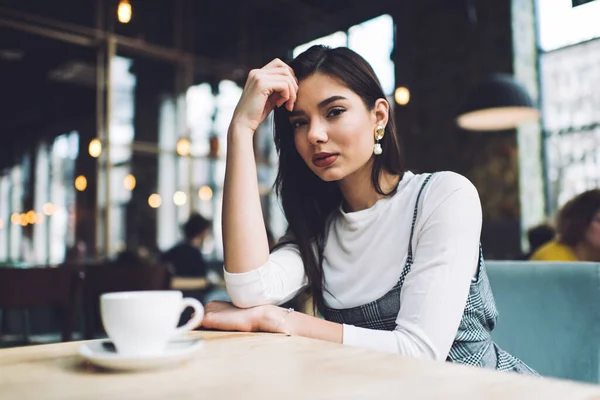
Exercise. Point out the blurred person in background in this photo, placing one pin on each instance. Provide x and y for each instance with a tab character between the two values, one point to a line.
185	258
578	231
538	236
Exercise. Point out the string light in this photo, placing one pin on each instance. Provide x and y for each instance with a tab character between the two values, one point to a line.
95	148
179	198
39	218
81	183
402	96
124	11
184	147
23	219
15	218
129	182
205	193
48	209
154	200
30	217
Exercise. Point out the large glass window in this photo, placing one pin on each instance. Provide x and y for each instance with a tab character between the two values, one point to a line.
17	213
121	140
62	196
560	24
570	74
200	175
4	216
41	197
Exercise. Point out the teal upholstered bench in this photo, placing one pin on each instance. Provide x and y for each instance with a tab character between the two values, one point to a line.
549	315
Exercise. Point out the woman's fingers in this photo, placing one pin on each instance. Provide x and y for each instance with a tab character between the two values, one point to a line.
279	68
279	89
272	86
277	63
293	96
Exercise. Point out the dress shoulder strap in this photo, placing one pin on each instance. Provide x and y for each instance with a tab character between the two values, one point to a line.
409	258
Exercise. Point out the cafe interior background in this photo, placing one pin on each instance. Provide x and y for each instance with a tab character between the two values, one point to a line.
114	113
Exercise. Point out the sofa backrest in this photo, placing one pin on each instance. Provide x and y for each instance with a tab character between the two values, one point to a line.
549	315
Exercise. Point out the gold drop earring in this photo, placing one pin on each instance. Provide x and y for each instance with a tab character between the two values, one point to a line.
379	132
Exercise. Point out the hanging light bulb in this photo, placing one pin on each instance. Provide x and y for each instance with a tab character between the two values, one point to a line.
15	218
95	148
39	218
402	96
129	182
205	193
179	198
124	11
48	209
183	147
81	183
30	217
154	200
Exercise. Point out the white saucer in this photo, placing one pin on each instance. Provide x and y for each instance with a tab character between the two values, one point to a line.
103	354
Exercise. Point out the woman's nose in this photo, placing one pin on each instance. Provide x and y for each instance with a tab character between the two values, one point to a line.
317	134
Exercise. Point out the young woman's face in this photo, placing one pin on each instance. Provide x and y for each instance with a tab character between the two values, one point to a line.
592	235
333	129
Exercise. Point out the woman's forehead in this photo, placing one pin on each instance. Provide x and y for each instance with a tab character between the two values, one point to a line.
317	87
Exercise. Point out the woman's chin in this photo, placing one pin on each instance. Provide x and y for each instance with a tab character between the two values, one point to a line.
330	175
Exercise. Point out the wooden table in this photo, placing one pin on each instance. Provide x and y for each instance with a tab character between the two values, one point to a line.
268	366
188	283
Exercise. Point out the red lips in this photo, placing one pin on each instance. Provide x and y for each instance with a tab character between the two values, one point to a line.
323	160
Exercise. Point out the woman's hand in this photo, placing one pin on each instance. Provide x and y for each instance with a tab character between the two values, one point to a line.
225	316
271	86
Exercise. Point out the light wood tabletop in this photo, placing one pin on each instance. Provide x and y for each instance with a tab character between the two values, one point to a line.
188	283
268	366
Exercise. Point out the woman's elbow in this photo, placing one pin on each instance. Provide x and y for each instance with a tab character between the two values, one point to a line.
242	299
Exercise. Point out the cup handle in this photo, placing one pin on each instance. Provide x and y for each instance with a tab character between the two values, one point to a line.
198	314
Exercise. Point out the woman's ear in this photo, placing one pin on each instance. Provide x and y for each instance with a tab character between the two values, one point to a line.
381	112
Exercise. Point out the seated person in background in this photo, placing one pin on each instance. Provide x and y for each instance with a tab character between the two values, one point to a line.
134	257
538	236
578	231
186	258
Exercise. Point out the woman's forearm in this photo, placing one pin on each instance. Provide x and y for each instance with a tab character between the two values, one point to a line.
280	320
244	235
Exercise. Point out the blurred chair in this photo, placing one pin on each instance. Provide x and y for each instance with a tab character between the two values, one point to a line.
106	278
56	287
549	315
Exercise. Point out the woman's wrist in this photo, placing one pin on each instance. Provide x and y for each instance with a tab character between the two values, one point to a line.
275	319
239	130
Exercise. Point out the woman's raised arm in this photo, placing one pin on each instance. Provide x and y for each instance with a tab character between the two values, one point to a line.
244	235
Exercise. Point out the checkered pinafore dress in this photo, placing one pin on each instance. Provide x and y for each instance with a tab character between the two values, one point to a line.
473	344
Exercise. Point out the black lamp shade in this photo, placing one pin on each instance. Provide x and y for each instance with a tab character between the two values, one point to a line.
498	103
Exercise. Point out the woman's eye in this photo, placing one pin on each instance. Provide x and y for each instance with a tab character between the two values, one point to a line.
336	112
298	124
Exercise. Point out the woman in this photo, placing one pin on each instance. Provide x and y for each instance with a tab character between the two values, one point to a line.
392	259
578	231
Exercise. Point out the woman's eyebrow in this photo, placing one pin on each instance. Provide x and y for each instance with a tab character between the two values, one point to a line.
322	104
330	100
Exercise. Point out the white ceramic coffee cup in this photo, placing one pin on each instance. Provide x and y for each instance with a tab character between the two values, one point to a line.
142	323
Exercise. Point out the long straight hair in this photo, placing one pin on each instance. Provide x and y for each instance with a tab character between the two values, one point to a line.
308	201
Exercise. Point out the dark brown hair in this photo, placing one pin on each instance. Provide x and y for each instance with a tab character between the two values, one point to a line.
575	217
308	202
195	226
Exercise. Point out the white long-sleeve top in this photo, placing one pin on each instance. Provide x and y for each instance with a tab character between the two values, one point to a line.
365	254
